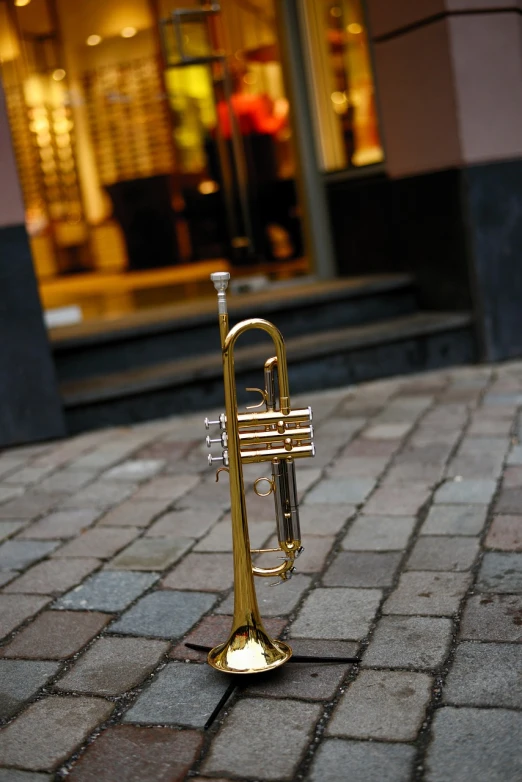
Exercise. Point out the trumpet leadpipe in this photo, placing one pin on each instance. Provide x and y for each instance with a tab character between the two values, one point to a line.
267	454
265	438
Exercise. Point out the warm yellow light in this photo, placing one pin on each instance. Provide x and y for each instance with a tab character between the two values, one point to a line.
59	74
338	98
21	3
93	40
128	32
208	186
335	11
355	28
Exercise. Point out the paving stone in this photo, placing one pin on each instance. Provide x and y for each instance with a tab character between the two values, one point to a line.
169	487
473	445
220	536
313	681
152	554
133	513
509	501
213	630
66	481
9	492
60	524
55	635
409	642
12	775
184	523
466	492
100	494
443	553
335	491
363	467
324	519
134	470
512	477
20	680
427	594
362	569
53	576
202	572
402	500
102	542
385	705
505	533
427	474
500	573
455	520
360	761
107	591
15	609
379	533
476	465
7	575
273	601
18	554
316	549
372	448
48	732
181	694
8	528
26	476
30	506
255	724
474	744
164	614
485	674
337	613
489	426
135	754
515	455
492	618
112	666
317	647
391	431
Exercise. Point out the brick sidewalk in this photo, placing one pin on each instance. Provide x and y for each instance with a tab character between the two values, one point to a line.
117	547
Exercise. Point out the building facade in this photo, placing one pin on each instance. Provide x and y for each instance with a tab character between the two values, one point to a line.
144	143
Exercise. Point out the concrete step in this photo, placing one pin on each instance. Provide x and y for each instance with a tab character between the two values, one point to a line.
146	339
325	359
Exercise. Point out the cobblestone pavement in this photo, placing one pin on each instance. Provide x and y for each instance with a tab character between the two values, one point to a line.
117	548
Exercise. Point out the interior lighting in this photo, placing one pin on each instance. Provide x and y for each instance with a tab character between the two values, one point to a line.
128	32
59	74
338	98
93	40
335	11
21	3
354	28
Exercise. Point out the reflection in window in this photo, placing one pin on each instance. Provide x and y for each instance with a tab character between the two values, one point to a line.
342	83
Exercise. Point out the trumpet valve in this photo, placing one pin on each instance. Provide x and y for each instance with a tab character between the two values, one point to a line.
221	421
223	458
223	440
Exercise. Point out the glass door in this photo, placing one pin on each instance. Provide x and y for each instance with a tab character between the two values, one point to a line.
235	164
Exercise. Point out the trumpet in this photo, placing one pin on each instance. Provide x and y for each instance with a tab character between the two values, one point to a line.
279	435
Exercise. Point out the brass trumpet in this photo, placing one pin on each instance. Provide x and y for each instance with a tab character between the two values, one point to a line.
278	435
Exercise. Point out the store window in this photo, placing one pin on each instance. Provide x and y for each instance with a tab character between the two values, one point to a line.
342	84
141	172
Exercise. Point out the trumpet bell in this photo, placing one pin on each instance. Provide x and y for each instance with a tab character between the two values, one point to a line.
249	650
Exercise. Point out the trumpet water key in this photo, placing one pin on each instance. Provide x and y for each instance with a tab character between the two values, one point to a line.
279	435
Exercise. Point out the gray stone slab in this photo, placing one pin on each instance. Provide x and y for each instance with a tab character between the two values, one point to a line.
253	726
53	576
443	553
112	666
319	519
400	500
384	705
418	642
7	575
164	614
335	491
362	569
363	467
304	680
211	572
379	533
337	613
135	470
8	528
15	609
66	481
220	536
485	674
515	455
18	554
273	601
181	694
107	591
133	513
427	593
60	524
475	744
191	523
391	431
49	731
12	775
20	680
30	506
501	573
100	494
455	520
168	487
152	553
360	761
465	492
492	618
101	542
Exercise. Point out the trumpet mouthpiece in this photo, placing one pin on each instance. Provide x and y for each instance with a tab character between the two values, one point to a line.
220	280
